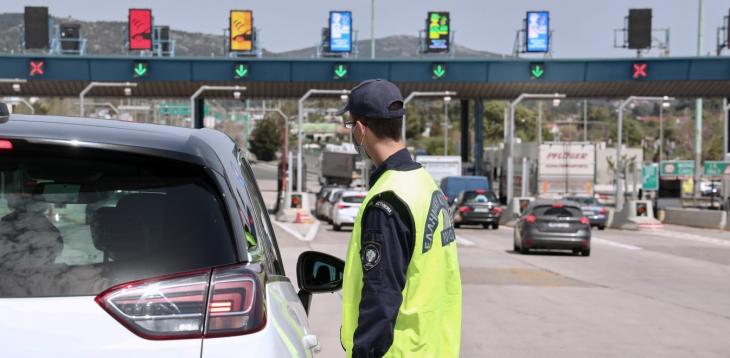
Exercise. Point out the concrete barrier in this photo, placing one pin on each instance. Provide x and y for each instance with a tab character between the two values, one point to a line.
708	219
636	215
514	210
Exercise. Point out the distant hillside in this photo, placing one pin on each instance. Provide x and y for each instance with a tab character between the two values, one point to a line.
108	37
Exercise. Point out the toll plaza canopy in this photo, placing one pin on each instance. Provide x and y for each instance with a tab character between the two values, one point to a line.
291	78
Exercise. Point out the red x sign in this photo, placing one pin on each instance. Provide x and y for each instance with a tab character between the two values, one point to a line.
640	70
36	68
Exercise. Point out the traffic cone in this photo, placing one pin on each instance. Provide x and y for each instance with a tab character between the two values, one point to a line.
298	217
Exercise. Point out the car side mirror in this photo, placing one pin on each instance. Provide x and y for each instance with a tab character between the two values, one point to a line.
318	273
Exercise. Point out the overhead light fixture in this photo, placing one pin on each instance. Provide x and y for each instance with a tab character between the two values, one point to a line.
127	91
447	99
16	87
344	98
556	102
666	104
237	94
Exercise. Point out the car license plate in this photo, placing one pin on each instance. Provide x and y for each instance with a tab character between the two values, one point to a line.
559	225
481	210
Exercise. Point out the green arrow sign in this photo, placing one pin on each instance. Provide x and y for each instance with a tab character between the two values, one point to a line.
651	177
439	71
716	169
340	71
537	70
240	71
140	69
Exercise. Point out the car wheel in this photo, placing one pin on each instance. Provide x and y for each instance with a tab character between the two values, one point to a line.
586	252
495	226
457	225
602	227
514	246
486	226
524	250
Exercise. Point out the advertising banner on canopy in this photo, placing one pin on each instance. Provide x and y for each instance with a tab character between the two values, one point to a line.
241	30
140	29
538	31
340	27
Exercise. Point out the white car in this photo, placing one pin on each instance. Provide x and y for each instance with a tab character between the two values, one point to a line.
154	247
326	207
345	208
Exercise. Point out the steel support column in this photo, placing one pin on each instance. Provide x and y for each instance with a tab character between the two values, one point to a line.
478	136
464	130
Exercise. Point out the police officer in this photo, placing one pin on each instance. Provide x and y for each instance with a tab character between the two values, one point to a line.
401	286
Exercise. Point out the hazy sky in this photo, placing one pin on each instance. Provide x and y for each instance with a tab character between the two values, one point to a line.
582	28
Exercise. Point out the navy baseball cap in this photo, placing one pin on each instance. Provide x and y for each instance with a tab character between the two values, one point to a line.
376	98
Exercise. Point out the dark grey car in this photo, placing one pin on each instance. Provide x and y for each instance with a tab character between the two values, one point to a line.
478	207
549	224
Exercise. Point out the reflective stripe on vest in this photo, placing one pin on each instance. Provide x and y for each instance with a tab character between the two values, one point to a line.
429	319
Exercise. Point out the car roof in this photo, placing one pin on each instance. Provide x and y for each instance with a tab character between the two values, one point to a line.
192	145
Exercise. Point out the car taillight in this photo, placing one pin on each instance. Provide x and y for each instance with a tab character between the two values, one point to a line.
496	210
6	144
530	219
603	211
480	191
204	303
584	220
558	204
464	209
341	206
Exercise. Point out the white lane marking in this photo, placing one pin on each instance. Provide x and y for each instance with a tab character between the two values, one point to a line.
614	244
687	236
312	231
289	230
462	241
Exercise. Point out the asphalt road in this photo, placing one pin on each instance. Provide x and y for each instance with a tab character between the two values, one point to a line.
639	294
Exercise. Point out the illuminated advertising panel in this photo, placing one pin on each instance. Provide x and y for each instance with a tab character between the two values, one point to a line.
140	29
340	25
538	31
437	27
241	30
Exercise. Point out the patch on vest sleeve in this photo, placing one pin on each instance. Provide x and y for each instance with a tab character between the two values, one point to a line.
385	206
371	253
438	204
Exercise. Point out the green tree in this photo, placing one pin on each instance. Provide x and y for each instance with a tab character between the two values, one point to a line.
265	139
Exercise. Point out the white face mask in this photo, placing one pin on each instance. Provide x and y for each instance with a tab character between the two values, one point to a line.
359	147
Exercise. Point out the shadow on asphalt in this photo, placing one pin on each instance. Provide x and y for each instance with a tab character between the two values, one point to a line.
542	253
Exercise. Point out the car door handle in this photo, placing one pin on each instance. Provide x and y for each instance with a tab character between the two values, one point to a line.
310	342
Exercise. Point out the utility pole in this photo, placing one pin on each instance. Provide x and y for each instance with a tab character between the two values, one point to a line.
372	29
698	110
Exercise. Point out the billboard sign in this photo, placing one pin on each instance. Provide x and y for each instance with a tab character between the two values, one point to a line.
241	30
340	27
537	31
437	27
36	27
140	29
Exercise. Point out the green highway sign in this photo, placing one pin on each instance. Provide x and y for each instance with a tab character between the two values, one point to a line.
650	173
677	169
341	71
537	70
140	69
438	70
716	169
240	71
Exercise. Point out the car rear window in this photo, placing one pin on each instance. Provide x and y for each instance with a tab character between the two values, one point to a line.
454	186
77	221
353	199
564	211
584	200
479	197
